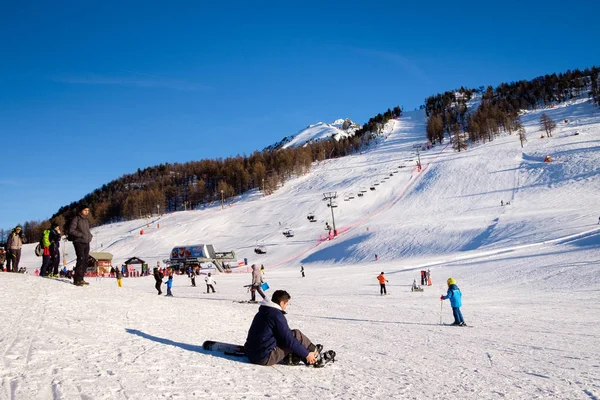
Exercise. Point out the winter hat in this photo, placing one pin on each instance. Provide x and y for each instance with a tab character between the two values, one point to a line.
451	281
83	207
18	227
381	272
54	225
209	274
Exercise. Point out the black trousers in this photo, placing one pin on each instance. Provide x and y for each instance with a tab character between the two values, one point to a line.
157	286
45	265
82	250
208	287
54	262
14	256
382	288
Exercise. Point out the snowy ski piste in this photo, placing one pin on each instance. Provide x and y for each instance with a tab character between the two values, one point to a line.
529	273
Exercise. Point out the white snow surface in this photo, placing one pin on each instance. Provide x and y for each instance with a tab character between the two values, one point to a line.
320	131
529	273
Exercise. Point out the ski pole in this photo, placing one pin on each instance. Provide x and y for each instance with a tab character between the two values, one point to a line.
441	304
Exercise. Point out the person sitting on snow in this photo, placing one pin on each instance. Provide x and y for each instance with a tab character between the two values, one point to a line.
270	339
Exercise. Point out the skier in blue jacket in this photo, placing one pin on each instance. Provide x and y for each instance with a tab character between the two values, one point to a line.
169	286
455	297
270	339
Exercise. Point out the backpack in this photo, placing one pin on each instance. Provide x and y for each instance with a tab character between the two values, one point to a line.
66	229
39	250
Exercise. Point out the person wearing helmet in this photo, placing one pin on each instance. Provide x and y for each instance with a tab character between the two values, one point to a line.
455	297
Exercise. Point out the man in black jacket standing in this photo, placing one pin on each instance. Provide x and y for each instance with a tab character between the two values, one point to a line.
79	233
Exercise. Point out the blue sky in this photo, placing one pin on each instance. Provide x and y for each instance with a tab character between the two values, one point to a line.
93	90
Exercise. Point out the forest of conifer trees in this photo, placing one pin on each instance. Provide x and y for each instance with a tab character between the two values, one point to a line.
171	187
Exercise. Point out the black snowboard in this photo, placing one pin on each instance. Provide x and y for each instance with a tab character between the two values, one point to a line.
227	348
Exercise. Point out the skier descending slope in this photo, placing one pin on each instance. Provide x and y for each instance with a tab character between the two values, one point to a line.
270	339
455	297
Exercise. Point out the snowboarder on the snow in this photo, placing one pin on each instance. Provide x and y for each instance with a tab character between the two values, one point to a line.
209	283
302	270
270	339
455	297
382	281
256	282
169	286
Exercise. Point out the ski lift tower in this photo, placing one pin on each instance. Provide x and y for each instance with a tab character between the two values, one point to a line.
418	147
330	196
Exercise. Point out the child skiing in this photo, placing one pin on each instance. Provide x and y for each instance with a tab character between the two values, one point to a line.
209	283
382	282
169	286
455	297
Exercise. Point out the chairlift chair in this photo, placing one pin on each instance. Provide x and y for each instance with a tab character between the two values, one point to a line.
260	249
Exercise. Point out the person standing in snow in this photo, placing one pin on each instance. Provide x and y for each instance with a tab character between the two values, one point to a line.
270	339
170	286
2	258
382	281
192	276
79	231
262	269
256	282
45	243
209	283
455	297
13	249
302	270
158	277
55	236
119	276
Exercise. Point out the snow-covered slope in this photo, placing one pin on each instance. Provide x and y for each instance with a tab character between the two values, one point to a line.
338	129
529	272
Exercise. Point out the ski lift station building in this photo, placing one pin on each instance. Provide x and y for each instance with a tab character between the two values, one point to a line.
197	254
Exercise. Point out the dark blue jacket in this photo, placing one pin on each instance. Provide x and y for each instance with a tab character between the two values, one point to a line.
270	329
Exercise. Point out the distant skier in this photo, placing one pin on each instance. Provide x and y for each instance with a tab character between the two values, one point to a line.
302	270
192	276
119	276
429	283
382	281
209	283
262	269
501	203
598	220
455	297
170	286
376	257
158	277
256	282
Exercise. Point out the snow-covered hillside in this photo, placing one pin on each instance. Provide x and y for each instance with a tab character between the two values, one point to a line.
529	272
337	130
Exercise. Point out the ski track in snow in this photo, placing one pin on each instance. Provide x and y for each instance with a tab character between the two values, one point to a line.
529	273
